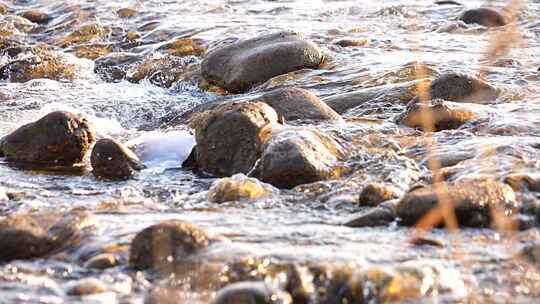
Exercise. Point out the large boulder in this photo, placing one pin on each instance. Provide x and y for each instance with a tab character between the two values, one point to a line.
26	236
112	160
435	115
296	103
59	138
161	245
241	65
483	16
230	138
462	88
473	201
297	156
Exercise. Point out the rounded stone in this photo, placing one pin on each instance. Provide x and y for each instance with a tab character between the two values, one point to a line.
164	243
241	65
483	16
59	138
112	160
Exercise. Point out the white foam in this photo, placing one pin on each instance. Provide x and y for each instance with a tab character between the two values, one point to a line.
163	149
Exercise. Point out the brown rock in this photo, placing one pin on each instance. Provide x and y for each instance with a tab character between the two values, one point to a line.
86	287
160	245
472	200
230	138
298	156
483	16
239	66
251	293
381	215
36	16
102	261
26	236
374	194
39	63
401	92
59	138
112	160
462	88
436	115
295	103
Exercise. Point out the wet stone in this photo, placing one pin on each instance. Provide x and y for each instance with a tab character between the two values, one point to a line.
296	103
162	71
85	33
435	115
230	138
401	92
483	16
184	47
39	63
251	293
160	245
426	241
114	66
102	261
374	194
297	156
59	138
239	188
86	287
531	253
349	42
473	202
126	12
36	16
26	236
112	160
381	215
241	65
462	88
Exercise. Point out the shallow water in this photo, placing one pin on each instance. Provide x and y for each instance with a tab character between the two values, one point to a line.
298	225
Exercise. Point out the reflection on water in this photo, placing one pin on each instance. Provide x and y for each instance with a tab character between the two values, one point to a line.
295	226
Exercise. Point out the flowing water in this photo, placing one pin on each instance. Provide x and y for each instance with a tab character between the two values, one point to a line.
301	225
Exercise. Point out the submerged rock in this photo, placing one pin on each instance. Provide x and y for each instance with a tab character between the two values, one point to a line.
381	215
251	293
483	16
184	47
59	138
531	253
230	138
437	115
36	16
39	63
86	287
296	103
374	194
114	66
462	88
401	92
102	261
299	156
473	202
26	236
112	160
237	188
160	245
162	71
239	66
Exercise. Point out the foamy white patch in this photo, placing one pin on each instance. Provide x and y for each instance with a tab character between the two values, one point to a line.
162	150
